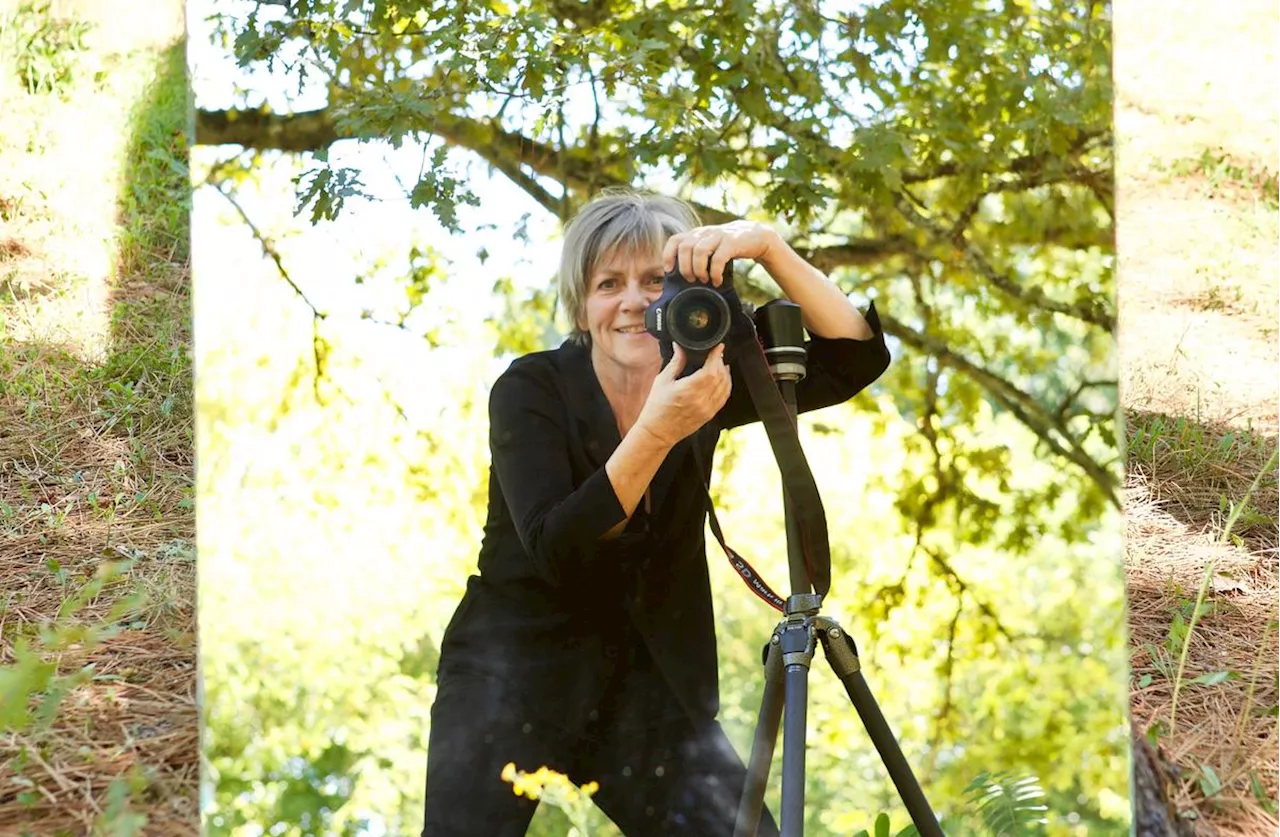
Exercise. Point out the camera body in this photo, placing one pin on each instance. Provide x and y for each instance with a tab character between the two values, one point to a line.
696	315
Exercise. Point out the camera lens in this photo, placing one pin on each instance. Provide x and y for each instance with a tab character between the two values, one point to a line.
698	318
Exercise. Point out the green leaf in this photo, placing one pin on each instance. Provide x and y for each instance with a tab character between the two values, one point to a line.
1210	784
1215	678
1260	795
18	683
1002	801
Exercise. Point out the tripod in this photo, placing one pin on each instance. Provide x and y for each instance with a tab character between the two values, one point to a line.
789	654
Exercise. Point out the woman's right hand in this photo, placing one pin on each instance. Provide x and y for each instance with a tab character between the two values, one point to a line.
677	408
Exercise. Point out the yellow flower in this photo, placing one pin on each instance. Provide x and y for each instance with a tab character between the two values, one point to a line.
544	781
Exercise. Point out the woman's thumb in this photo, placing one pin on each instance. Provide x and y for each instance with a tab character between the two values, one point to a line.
676	365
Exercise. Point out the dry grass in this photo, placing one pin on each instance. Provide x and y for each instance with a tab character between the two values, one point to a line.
1196	117
97	559
82	495
1174	526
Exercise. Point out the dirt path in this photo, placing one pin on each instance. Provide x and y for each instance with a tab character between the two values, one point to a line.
1196	119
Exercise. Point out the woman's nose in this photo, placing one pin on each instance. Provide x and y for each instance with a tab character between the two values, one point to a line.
635	297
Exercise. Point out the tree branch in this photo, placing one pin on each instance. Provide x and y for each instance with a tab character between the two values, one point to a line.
319	346
1023	406
508	152
1092	313
504	150
1017	165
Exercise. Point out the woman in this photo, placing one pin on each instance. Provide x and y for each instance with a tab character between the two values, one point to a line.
586	642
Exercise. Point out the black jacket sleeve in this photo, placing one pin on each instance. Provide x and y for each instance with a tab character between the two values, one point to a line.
558	524
836	369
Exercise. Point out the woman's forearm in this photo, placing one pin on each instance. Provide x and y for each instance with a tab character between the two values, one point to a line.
827	312
631	468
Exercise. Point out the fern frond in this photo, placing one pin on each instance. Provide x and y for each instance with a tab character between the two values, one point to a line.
1005	803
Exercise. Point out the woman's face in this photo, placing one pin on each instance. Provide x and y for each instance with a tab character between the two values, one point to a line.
619	289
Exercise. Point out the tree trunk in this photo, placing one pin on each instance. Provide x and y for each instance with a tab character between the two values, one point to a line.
1154	814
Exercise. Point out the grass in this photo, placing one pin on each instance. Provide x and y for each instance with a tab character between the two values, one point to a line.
97	622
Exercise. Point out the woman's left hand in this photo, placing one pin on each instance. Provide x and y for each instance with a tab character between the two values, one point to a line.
703	252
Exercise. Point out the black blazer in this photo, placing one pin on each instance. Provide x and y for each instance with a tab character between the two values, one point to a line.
553	606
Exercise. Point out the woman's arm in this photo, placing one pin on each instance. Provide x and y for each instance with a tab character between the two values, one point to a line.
836	370
631	468
559	524
703	252
826	311
673	410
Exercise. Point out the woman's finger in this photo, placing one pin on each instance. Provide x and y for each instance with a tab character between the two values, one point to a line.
703	252
671	251
716	268
684	257
715	355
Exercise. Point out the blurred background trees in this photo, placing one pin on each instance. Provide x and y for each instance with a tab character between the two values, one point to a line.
949	160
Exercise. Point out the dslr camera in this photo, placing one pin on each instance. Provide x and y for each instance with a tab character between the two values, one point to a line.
697	316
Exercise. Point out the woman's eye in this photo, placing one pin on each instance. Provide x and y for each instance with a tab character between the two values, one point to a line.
605	284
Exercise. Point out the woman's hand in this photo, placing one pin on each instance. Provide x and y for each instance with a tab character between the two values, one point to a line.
703	252
676	408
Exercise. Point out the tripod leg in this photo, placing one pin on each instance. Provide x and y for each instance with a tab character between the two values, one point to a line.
842	655
795	711
797	647
766	737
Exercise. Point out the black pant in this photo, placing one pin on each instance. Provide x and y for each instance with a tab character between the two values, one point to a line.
659	774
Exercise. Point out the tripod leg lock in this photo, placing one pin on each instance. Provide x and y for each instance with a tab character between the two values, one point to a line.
841	653
796	641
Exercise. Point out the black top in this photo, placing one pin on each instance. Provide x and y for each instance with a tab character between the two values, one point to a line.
552	604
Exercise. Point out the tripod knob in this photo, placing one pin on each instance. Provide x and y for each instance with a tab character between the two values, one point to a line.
803	603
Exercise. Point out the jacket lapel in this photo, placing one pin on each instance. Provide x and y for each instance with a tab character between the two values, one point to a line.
588	408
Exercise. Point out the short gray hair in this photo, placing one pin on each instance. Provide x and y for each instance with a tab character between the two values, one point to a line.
617	219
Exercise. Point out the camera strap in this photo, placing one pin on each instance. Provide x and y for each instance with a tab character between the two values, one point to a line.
748	574
797	478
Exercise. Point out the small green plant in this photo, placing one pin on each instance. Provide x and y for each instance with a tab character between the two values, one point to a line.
33	678
120	818
996	804
1260	795
883	829
44	46
1006	803
120	406
1210	782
